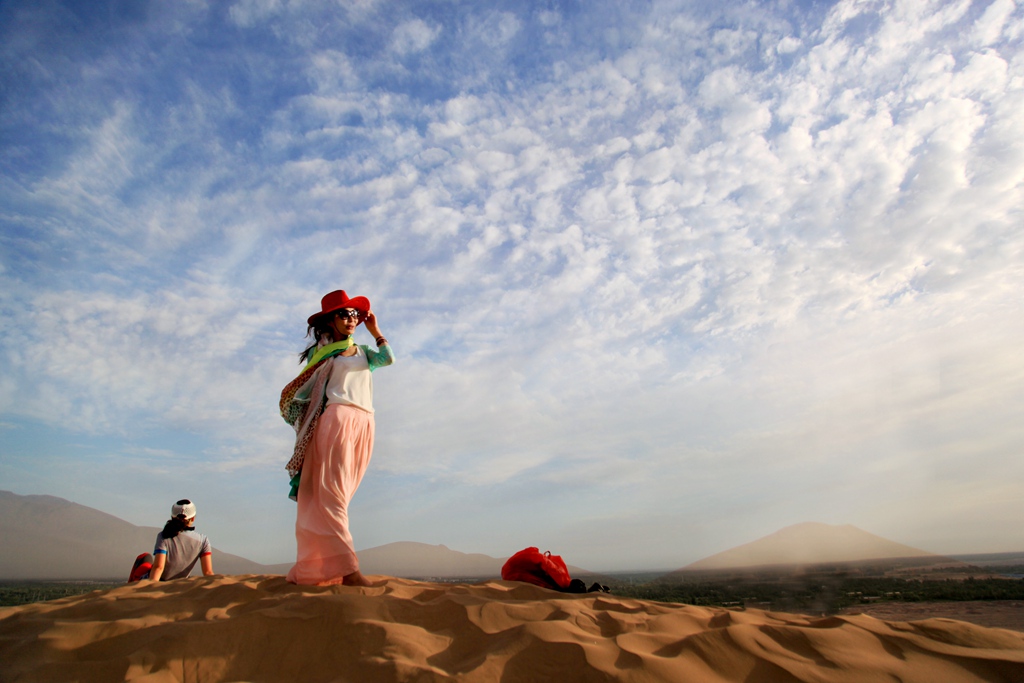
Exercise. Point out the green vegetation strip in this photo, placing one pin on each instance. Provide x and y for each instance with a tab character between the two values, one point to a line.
24	592
824	594
826	597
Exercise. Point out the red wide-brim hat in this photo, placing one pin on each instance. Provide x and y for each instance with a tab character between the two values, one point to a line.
337	300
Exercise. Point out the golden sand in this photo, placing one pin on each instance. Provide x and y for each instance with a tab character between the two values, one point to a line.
260	628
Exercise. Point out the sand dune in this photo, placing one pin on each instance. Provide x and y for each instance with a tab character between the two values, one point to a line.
260	628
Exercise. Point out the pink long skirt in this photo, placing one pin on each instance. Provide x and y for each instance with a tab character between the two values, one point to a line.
335	462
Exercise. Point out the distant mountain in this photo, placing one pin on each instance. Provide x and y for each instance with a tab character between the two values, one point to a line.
810	543
419	560
45	537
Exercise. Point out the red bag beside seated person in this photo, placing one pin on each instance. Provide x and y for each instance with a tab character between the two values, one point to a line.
141	568
545	570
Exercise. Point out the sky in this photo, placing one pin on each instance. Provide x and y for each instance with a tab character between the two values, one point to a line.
661	277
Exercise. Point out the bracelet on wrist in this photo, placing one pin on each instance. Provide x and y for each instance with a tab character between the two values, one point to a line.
381	341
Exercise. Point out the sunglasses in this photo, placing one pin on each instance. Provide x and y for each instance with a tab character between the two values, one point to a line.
347	313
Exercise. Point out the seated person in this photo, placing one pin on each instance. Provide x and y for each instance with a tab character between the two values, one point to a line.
178	547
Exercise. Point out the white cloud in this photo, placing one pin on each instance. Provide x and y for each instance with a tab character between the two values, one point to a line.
985	75
413	36
990	25
333	71
549	18
655	267
248	13
788	45
499	28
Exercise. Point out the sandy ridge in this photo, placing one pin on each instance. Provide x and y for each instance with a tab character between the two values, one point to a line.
260	628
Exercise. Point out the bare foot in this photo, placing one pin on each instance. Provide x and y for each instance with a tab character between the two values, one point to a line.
357	579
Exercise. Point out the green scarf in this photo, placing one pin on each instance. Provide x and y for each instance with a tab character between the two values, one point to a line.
328	350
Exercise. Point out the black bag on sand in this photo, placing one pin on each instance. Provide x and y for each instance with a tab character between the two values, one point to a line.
577	586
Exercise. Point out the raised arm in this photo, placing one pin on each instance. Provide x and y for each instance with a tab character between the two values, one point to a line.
373	328
383	356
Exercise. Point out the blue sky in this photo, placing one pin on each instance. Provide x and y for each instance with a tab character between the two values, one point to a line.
661	277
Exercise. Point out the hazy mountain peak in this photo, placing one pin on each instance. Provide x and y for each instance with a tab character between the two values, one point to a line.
809	543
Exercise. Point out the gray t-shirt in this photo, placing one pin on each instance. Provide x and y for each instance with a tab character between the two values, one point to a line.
182	552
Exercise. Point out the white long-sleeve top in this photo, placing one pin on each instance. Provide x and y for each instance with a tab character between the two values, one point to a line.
351	382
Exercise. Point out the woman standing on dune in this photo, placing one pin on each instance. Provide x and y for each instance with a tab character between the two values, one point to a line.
330	404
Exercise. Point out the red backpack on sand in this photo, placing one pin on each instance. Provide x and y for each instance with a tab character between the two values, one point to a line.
541	569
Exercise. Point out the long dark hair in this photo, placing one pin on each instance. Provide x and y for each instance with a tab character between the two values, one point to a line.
319	328
174	526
